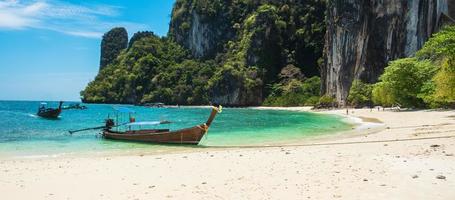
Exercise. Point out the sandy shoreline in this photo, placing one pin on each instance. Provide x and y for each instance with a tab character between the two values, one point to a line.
410	157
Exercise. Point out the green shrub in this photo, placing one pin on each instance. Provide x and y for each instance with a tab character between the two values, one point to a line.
360	94
381	95
405	79
426	80
326	101
441	91
294	92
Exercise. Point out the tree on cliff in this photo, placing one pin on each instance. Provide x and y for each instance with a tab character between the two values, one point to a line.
294	89
112	44
139	35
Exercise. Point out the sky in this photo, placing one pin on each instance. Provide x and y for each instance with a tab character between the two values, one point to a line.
50	49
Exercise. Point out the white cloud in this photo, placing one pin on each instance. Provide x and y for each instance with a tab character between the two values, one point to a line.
84	34
78	20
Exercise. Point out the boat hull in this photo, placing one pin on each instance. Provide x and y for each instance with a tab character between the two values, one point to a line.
50	114
191	135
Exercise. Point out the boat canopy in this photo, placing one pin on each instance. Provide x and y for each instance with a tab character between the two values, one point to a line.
123	110
144	123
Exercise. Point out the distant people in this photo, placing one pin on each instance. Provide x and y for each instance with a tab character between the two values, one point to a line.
347	111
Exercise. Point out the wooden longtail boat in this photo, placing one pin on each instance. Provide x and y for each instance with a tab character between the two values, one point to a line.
183	136
49	113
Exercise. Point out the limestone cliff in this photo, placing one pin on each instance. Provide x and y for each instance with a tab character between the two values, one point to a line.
113	42
250	41
221	51
201	27
363	36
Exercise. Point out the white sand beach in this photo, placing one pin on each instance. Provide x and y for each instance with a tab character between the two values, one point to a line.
411	156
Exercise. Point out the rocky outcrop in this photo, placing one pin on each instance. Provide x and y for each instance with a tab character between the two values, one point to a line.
251	41
201	31
202	37
451	8
363	36
112	44
139	35
231	90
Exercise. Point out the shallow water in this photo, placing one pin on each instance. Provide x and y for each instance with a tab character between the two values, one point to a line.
25	134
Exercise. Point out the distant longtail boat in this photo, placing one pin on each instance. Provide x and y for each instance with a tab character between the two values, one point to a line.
49	113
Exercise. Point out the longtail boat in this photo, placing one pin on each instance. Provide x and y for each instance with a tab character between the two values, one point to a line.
191	135
49	113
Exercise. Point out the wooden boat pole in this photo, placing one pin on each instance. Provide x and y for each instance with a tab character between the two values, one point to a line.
60	105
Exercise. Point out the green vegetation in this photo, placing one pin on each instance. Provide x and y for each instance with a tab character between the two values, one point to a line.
139	35
112	44
404	79
250	42
294	89
382	95
256	52
426	80
267	41
151	70
326	102
360	94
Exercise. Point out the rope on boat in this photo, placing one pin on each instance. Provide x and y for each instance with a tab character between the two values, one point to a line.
333	143
204	127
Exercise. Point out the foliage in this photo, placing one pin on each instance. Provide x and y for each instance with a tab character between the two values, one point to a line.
252	41
112	44
326	101
360	94
290	72
139	35
426	80
256	38
405	78
381	94
440	91
295	92
151	70
441	45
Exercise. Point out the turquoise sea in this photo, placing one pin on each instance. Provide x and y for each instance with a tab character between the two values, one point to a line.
22	133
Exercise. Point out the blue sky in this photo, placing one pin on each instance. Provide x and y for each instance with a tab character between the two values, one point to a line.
50	49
